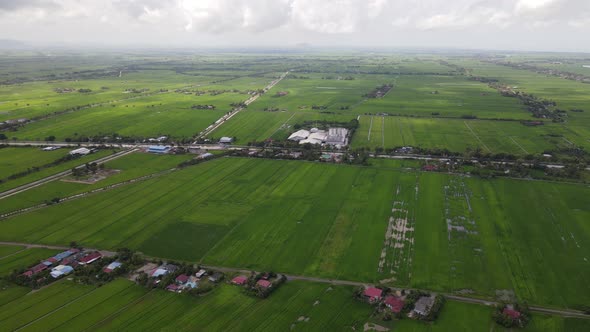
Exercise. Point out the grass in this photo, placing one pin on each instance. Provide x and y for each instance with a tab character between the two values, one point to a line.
131	166
14	160
45	172
9	250
254	214
297	305
24	259
459	135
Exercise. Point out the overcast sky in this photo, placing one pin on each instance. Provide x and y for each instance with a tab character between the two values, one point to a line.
552	25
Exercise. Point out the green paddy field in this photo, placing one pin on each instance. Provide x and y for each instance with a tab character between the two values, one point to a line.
463	233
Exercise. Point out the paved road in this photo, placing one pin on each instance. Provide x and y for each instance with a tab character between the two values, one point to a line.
59	175
252	99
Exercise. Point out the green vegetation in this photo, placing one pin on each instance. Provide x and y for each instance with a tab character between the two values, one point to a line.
235	212
24	259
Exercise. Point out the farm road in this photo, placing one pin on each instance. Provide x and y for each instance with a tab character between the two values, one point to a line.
558	312
252	99
50	178
543	310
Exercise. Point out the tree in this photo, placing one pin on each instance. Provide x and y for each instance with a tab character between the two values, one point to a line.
3	137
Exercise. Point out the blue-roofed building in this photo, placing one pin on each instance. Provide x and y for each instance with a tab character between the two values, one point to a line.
111	267
62	255
158	149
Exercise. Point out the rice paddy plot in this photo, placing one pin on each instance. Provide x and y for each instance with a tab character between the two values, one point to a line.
459	135
24	259
130	166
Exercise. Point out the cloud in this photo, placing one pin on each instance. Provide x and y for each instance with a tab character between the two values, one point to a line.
12	5
376	22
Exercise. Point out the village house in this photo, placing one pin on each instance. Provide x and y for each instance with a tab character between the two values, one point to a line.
394	303
511	312
239	280
372	294
61	270
264	283
226	140
163	270
111	267
201	273
423	305
160	149
90	258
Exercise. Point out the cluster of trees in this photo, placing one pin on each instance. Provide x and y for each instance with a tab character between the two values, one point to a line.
509	322
84	90
546	71
136	90
319	107
93	274
89	168
35	169
203	107
252	289
379	91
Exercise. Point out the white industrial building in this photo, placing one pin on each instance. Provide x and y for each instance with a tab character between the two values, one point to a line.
334	136
80	151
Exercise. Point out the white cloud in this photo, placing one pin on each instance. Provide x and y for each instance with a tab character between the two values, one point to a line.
376	22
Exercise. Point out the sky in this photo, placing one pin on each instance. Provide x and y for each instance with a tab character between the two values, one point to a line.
525	25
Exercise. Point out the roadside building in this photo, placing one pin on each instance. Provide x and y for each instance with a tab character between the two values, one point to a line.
394	303
181	279
264	283
161	149
61	270
113	266
299	135
337	136
201	273
226	140
372	294
239	280
80	152
423	305
90	258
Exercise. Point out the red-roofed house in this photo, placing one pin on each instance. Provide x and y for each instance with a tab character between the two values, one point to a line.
239	280
173	288
373	294
90	258
511	313
182	279
52	260
38	268
28	273
394	303
264	283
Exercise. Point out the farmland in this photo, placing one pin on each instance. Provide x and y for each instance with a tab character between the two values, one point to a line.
121	305
129	167
27	158
461	135
460	219
227	213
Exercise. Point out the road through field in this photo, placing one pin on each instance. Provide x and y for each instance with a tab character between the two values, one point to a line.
544	310
252	99
50	178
